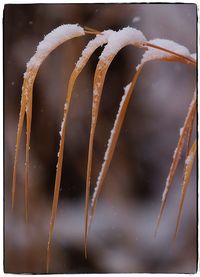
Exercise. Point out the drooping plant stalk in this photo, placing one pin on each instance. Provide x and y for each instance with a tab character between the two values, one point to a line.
45	47
154	52
19	131
190	132
86	54
118	40
177	155
187	173
25	109
113	141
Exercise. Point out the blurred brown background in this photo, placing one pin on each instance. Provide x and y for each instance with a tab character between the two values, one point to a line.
121	239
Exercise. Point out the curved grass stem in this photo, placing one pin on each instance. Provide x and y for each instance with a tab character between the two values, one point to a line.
182	58
112	142
176	158
19	132
187	174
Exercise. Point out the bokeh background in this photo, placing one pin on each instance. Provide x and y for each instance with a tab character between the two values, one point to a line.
121	238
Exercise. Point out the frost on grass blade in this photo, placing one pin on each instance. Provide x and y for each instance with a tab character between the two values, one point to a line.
120	39
98	41
110	150
187	173
176	157
113	141
49	43
116	41
149	55
163	49
194	56
93	44
153	53
190	132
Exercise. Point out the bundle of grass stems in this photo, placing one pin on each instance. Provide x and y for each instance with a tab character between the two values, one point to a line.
114	41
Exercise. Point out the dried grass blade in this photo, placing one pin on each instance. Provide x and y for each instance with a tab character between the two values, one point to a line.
99	78
19	131
156	55
56	195
190	132
28	135
176	158
188	170
110	151
45	47
94	44
113	141
89	30
59	167
26	108
176	56
166	50
86	54
118	40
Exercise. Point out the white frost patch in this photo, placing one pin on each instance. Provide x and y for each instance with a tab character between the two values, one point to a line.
175	153
61	129
98	41
120	39
51	41
194	56
190	111
165	190
126	90
189	159
136	19
66	106
192	103
113	131
154	54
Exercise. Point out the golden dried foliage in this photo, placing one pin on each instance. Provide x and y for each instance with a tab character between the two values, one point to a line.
99	78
